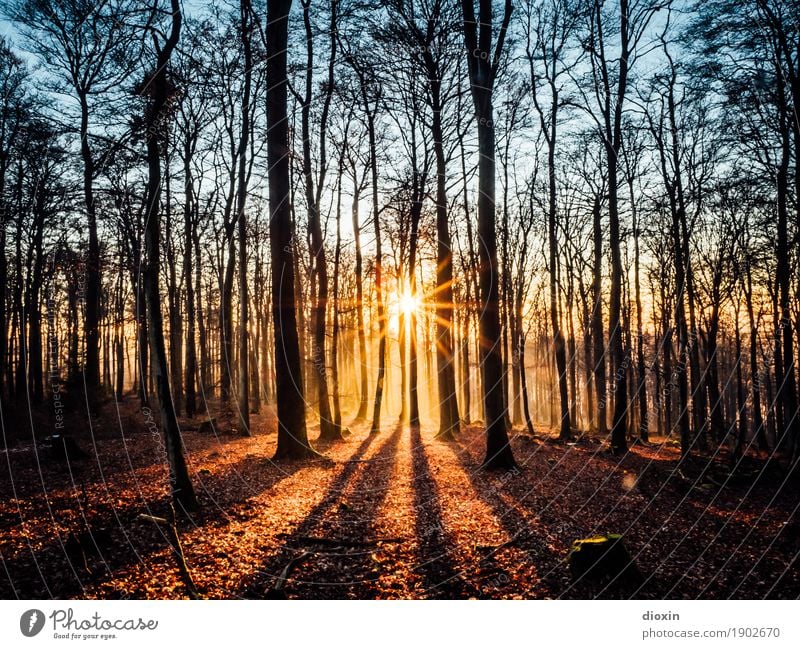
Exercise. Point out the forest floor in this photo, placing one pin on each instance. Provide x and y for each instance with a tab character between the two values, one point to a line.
394	515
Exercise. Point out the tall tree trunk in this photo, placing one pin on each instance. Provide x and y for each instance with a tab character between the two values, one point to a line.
449	421
402	348
373	161
716	405
516	400
641	375
555	317
572	360
465	368
505	298
241	219
202	326
226	319
598	336
119	339
328	427
690	342
173	298
361	415
498	449
292	436
758	431
188	280
416	215
789	430
590	412
482	72
679	374
741	398
142	334
520	355
182	490
619	388
93	280
337	256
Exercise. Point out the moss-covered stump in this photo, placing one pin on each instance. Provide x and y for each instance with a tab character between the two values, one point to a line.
601	558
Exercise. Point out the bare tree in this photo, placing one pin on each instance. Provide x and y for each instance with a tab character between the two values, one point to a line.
549	27
329	429
483	63
611	76
292	437
93	50
160	94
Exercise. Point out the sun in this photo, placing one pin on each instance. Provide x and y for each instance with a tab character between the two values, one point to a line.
408	303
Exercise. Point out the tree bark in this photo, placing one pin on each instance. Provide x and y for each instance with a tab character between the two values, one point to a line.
449	420
329	430
157	115
292	437
482	72
241	218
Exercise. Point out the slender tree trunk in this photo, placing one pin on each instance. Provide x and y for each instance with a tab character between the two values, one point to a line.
516	400
337	256
619	388
402	348
241	219
143	336
555	318
589	411
716	405
758	431
93	280
521	356
465	368
202	326
182	490
598	336
741	398
498	449
361	415
572	362
686	287
173	298
482	72
416	215
188	280
257	343
449	420
328	428
382	324
789	430
119	343
641	375
292	436
679	373
226	319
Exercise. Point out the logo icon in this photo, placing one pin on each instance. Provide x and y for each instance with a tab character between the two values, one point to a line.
31	622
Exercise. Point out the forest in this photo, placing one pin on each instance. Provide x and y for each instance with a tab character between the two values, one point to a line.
408	299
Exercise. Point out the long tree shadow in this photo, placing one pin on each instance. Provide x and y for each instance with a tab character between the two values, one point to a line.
436	565
352	524
33	468
109	538
525	532
254	475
